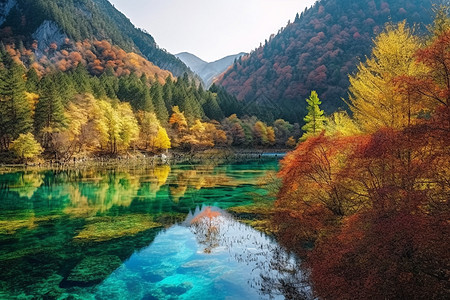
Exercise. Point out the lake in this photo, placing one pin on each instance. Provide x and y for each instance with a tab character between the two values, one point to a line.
141	232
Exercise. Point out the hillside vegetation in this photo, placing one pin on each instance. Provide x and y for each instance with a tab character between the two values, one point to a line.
315	52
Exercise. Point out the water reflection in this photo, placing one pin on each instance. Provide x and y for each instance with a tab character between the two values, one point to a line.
208	256
91	191
64	232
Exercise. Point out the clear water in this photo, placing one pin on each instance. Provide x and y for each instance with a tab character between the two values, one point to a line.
140	232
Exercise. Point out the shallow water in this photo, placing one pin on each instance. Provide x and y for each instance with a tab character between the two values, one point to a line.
140	232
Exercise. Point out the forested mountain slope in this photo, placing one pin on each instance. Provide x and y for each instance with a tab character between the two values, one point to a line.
316	52
49	21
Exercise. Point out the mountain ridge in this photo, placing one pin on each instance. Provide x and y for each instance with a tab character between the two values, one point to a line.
48	21
317	51
208	71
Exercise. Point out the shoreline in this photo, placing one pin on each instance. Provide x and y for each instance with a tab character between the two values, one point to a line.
134	159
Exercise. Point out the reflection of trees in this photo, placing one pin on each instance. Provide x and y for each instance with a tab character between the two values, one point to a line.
25	183
282	275
274	272
152	182
206	227
116	189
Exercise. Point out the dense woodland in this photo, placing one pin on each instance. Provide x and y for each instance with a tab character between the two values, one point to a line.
365	199
92	98
316	52
85	19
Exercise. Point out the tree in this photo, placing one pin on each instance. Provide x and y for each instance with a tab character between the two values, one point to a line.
149	127
49	115
260	133
283	130
340	123
314	120
158	102
162	141
373	94
129	127
109	126
26	147
15	110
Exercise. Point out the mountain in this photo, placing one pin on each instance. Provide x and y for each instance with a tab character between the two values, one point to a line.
316	52
49	21
207	71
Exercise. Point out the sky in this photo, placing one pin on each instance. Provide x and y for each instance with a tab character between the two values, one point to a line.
210	29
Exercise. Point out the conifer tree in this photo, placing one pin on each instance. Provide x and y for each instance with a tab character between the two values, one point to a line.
15	111
81	79
49	115
32	81
156	93
168	94
373	94
314	120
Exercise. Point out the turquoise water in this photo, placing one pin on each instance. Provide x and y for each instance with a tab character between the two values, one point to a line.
140	232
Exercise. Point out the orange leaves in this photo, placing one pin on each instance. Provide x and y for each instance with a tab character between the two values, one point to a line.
96	55
207	215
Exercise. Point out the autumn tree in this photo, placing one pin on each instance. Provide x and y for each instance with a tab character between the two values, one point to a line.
149	126
162	140
314	120
340	123
178	124
283	130
373	95
26	147
260	133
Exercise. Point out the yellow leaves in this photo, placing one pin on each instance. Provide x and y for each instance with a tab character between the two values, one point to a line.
129	128
32	99
151	132
162	140
373	94
178	120
340	123
118	126
26	147
203	134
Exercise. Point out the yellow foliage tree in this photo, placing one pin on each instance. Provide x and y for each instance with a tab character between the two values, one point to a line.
373	96
340	123
178	120
270	136
118	126
149	126
26	147
178	125
162	140
129	127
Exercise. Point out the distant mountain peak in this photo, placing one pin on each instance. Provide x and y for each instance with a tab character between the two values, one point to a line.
208	71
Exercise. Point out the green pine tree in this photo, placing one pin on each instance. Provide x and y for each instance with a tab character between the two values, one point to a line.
168	94
314	120
49	115
32	81
15	110
156	93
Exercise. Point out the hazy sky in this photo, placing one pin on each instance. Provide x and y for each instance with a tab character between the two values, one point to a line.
210	29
